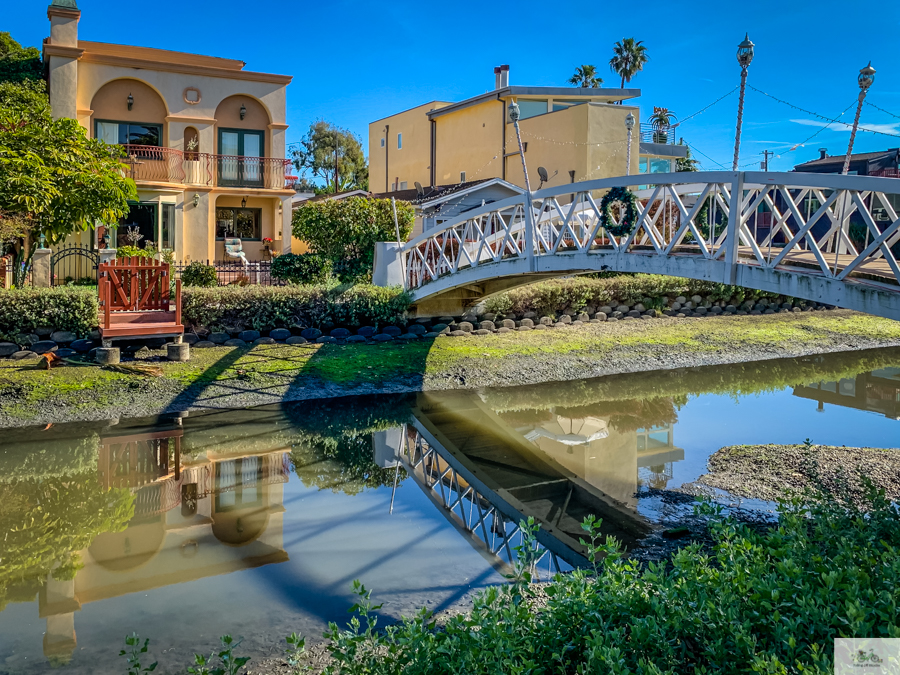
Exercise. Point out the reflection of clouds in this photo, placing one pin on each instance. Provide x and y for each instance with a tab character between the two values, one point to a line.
571	431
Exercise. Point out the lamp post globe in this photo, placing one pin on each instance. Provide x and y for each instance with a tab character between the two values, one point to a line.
745	51
513	112
866	77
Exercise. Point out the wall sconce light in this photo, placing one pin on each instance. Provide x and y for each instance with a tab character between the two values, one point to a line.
244	203
130	102
196	200
243	111
280	208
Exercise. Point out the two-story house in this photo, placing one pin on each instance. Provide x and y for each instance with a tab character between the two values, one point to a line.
205	140
574	133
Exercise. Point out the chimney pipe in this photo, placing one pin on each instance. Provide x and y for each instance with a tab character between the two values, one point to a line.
504	76
497	77
822	152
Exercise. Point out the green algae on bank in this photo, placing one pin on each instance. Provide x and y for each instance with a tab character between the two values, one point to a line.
239	377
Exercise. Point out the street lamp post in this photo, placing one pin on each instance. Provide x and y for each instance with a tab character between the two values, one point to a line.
629	124
865	79
744	57
513	111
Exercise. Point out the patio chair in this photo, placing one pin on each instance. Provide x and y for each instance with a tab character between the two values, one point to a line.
234	249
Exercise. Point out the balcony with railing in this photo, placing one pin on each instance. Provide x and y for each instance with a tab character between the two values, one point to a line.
147	163
652	134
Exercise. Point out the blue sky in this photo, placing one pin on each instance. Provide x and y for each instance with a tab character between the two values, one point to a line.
355	62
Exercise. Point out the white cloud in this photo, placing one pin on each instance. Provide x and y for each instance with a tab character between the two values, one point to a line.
891	128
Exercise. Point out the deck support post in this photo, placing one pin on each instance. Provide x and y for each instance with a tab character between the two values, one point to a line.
107	356
178	351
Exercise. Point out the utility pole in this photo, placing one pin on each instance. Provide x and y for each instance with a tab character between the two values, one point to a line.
765	154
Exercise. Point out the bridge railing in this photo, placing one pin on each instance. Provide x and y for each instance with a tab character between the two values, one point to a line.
840	227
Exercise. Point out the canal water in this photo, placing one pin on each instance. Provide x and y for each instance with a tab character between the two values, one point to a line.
256	522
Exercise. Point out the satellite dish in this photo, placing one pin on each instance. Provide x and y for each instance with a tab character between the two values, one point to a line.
419	191
542	172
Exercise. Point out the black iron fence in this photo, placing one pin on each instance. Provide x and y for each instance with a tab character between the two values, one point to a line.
231	273
74	264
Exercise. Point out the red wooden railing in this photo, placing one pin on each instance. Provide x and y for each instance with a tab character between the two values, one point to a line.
169	165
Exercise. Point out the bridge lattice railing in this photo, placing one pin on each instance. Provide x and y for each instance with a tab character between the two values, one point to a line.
841	227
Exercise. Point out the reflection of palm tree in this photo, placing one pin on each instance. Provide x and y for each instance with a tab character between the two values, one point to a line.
629	57
586	77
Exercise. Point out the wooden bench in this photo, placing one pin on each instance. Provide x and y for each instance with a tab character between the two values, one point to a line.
136	302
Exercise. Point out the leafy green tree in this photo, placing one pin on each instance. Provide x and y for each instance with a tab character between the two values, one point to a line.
334	155
52	176
686	163
346	230
586	77
629	57
19	64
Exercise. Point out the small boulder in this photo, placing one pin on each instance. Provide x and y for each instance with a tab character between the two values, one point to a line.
340	333
44	346
8	348
504	329
490	316
311	333
296	329
27	339
541	326
280	334
583	317
696	299
355	338
204	344
634	314
264	341
219	338
382	337
440	328
63	337
325	339
527	323
408	336
458	333
601	316
432	335
248	335
296	340
565	318
24	354
417	329
65	353
546	321
235	342
366	331
681	299
393	331
446	319
640	307
606	309
507	323
190	338
466	327
487	325
43	331
524	328
481	331
530	315
624	309
560	324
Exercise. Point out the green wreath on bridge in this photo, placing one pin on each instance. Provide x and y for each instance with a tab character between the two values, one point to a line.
625	197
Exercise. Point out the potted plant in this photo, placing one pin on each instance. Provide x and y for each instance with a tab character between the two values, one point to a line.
661	121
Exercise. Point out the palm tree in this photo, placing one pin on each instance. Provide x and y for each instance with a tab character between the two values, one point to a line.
586	76
661	120
629	58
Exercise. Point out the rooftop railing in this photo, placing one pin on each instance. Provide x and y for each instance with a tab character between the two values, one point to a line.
153	164
651	134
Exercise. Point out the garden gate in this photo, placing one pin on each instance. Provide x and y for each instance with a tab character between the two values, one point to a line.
74	263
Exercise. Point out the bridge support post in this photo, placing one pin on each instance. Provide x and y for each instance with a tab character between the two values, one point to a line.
388	267
732	235
529	232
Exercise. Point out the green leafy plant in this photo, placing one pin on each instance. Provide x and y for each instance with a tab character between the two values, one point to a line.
135	650
223	662
199	275
134	252
70	308
346	231
295	651
306	268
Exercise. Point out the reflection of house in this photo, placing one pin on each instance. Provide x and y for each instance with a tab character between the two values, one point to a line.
575	133
609	459
878	391
205	139
208	514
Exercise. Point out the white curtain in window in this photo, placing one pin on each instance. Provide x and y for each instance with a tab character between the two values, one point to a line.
251	149
108	132
229	167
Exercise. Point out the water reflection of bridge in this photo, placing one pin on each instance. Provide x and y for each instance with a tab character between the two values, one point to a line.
212	511
488	471
878	391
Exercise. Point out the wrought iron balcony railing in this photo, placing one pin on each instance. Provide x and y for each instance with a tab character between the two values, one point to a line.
651	134
149	163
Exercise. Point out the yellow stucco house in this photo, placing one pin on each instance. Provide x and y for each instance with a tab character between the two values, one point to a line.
575	133
205	140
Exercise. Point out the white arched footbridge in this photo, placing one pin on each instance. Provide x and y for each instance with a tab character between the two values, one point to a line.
823	237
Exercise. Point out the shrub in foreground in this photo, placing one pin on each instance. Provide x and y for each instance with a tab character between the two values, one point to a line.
306	268
200	275
266	307
767	601
70	308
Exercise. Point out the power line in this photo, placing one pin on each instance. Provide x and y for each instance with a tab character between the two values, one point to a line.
702	110
886	112
697	150
821	117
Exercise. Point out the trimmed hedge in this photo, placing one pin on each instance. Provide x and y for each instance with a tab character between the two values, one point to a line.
267	307
306	268
199	274
560	295
62	308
